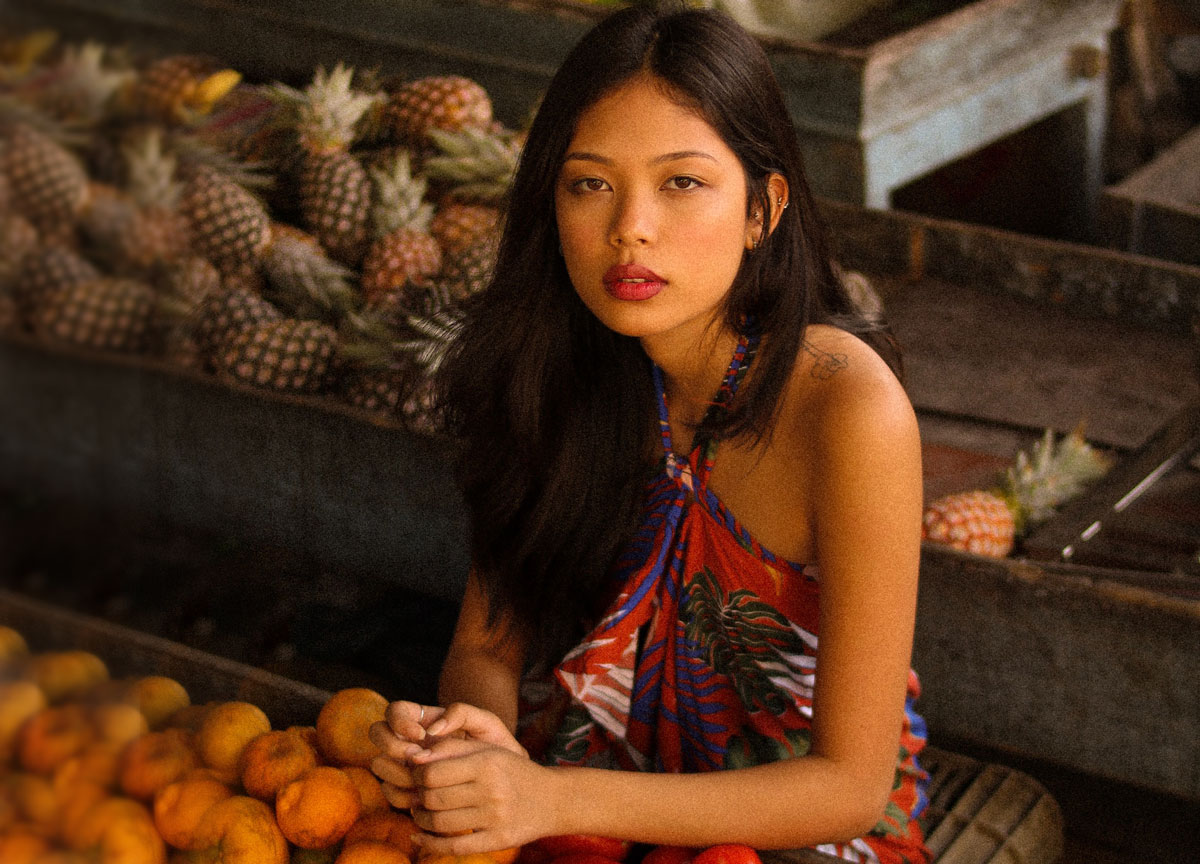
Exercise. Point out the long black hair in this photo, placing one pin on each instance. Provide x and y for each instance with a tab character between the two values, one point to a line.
554	413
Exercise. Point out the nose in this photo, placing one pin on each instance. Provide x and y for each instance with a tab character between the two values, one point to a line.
632	220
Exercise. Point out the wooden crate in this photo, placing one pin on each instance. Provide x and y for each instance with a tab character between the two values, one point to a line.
876	106
129	653
1156	210
979	813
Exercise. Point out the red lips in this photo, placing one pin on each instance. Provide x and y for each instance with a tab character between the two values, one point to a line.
632	282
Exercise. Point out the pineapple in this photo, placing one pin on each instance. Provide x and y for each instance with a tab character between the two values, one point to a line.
141	229
183	286
81	87
44	271
448	102
48	183
108	314
470	270
228	224
221	314
475	170
304	281
17	238
177	90
404	252
334	188
288	356
990	522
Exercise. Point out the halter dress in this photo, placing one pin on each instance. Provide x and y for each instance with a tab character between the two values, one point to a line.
706	658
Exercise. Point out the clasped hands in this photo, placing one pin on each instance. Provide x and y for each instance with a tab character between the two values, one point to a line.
471	787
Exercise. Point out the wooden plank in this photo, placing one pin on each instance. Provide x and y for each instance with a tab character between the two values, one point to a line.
1081	520
339	489
1070	665
957	51
130	653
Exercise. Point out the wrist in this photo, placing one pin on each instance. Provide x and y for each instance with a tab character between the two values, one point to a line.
561	807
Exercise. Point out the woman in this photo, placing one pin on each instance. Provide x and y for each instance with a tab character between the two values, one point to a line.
652	564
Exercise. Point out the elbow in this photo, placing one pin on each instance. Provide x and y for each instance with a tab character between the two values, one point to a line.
867	811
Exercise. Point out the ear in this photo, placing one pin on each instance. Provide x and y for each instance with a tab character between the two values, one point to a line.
777	202
777	197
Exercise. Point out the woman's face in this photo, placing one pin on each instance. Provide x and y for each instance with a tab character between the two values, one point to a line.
652	216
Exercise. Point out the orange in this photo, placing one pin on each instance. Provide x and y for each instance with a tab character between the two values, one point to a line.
179	807
240	830
344	722
119	829
159	698
13	647
118	723
190	716
224	733
154	760
74	803
372	852
98	762
34	797
309	734
370	789
64	675
52	736
390	826
316	810
274	759
21	844
19	700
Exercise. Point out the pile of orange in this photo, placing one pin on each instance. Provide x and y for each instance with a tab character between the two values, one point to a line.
97	769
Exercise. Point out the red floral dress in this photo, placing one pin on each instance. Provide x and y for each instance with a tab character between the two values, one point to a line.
706	659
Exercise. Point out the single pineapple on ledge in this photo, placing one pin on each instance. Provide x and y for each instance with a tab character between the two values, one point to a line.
1034	486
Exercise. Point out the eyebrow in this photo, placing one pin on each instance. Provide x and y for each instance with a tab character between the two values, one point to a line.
675	156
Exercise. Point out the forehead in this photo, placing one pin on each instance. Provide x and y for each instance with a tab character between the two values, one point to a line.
645	111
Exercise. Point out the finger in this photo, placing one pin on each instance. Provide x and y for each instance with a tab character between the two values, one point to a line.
391	744
401	798
480	841
410	719
460	821
477	723
393	771
445	748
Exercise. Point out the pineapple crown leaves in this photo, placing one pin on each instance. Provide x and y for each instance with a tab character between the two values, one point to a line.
151	169
479	164
1051	473
435	333
15	112
399	197
327	111
88	74
306	282
194	153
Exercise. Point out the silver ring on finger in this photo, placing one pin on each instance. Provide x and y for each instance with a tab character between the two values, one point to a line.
422	717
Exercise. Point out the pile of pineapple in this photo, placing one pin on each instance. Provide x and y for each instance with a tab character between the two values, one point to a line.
306	241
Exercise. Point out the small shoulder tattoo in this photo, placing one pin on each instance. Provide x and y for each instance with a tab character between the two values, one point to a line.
825	365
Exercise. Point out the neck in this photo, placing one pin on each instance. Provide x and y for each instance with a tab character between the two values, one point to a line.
693	367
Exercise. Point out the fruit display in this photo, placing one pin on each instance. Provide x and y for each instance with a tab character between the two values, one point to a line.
991	522
97	769
313	240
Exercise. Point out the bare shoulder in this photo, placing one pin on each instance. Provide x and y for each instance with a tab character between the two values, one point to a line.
845	400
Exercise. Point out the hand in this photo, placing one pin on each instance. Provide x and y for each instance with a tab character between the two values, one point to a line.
474	796
409	727
401	734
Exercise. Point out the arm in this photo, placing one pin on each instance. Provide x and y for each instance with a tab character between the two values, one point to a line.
483	665
864	518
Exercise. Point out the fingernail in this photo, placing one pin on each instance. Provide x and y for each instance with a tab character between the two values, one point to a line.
422	753
436	727
417	839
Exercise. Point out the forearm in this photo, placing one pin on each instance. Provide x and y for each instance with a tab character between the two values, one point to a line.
781	805
478	678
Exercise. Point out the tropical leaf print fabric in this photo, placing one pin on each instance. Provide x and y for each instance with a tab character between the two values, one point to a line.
706	659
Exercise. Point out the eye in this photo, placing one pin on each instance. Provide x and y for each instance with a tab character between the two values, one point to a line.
683	183
588	184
